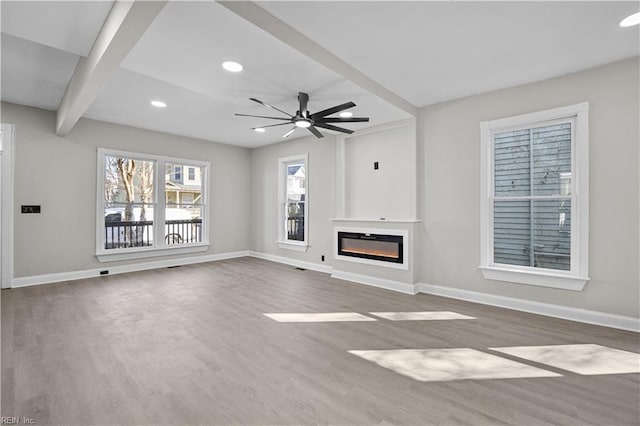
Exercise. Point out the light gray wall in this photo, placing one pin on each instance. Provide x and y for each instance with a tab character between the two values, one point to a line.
372	194
321	172
449	149
59	173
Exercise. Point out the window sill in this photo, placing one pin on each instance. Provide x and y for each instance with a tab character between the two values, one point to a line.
126	254
542	279
295	246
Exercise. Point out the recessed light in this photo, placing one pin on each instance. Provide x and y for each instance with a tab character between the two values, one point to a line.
159	104
232	66
346	114
631	20
260	130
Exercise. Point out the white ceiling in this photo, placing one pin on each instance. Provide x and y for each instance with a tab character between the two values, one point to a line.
425	52
429	52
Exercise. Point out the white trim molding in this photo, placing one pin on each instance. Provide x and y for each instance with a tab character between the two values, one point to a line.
292	262
290	245
121	269
399	286
539	278
7	156
143	252
556	311
576	278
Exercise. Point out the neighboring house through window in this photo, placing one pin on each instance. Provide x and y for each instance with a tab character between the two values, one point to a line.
534	205
133	197
293	202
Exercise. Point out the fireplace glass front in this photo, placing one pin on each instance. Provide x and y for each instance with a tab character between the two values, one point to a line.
386	248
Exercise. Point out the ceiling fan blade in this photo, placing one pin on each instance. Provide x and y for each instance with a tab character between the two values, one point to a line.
333	110
336	128
315	131
342	120
270	106
262	116
270	125
286	135
303	100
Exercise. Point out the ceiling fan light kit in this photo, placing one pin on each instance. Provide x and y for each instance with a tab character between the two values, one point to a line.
305	120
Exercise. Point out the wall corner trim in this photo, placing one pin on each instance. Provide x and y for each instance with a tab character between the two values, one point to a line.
557	311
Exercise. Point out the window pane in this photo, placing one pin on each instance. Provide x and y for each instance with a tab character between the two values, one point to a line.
295	221
552	234
552	160
128	225
296	198
296	182
183	224
512	232
511	162
128	180
547	245
187	191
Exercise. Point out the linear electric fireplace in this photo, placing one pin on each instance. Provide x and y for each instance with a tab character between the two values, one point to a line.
377	247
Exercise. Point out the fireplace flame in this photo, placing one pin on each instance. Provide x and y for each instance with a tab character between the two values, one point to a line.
372	252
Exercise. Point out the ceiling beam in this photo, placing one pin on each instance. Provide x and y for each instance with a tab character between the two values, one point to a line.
126	23
287	34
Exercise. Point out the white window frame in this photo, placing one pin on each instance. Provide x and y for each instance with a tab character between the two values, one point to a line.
282	241
159	248
577	277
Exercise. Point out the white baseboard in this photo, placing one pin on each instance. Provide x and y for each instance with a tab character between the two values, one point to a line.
121	269
399	286
548	309
293	262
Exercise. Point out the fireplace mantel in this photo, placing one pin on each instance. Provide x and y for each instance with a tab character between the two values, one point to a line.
379	220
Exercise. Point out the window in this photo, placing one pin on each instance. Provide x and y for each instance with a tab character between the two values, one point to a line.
192	173
133	198
534	206
177	173
293	203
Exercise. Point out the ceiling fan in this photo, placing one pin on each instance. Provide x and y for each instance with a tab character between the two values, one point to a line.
306	120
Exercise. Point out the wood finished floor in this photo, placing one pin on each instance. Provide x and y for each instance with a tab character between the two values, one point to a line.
191	345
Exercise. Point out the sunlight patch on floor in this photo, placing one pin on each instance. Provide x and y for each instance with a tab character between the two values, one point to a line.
436	365
585	359
319	317
420	316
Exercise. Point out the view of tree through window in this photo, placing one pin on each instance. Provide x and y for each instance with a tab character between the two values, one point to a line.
128	202
133	202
